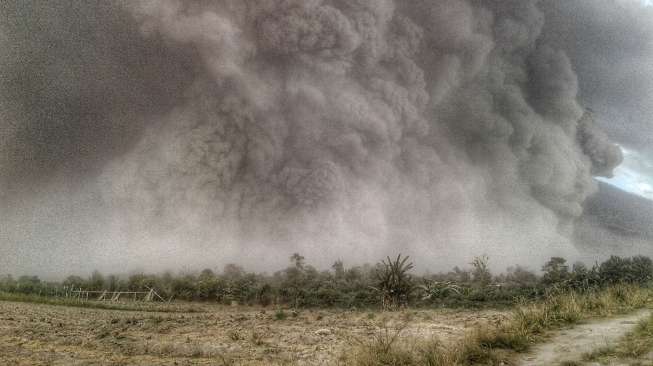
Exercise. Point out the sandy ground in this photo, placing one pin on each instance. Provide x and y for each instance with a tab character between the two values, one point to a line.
570	344
34	334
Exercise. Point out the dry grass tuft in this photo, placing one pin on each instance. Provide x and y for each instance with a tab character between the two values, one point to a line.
496	345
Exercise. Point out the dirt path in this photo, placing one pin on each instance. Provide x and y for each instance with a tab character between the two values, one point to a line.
571	344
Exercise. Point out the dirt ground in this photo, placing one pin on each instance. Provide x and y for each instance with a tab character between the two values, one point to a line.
35	334
569	345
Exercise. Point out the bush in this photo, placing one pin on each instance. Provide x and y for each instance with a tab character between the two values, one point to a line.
626	270
481	274
280	315
394	282
642	269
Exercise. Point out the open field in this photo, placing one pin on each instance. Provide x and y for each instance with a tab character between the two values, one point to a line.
324	318
47	334
184	333
41	334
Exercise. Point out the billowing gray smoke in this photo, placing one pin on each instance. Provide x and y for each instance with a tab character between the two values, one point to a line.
355	129
366	125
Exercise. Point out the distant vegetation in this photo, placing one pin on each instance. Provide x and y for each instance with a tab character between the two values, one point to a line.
388	283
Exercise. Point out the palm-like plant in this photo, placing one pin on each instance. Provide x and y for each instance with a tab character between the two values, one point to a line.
394	282
432	290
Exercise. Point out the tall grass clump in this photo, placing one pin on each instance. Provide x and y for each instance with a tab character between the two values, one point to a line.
383	348
394	282
530	320
380	351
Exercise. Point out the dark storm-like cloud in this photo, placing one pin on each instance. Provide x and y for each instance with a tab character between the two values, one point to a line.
73	76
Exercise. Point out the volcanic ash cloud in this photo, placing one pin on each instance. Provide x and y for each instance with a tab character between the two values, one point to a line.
363	127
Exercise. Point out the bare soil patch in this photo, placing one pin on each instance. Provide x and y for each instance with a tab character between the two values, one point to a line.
37	334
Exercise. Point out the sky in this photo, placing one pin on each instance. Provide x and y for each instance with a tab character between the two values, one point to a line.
129	127
611	46
634	175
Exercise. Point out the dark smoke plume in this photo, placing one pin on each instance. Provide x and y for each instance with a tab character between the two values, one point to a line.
338	127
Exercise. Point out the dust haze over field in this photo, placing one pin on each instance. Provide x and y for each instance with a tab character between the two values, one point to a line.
184	134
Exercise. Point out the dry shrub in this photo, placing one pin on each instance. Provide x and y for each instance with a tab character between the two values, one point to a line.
495	345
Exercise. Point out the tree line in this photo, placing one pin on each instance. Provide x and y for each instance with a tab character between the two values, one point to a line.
389	283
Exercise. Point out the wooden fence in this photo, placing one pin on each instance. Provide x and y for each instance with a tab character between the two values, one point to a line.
106	295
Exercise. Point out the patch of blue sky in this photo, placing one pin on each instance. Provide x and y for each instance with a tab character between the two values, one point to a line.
634	175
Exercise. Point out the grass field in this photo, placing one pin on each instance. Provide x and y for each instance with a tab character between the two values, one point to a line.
52	333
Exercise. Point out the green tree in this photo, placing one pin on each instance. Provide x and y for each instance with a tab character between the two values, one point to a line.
295	279
74	282
233	271
207	285
8	283
112	283
631	270
96	281
297	260
339	269
555	271
184	287
642	269
521	277
29	284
